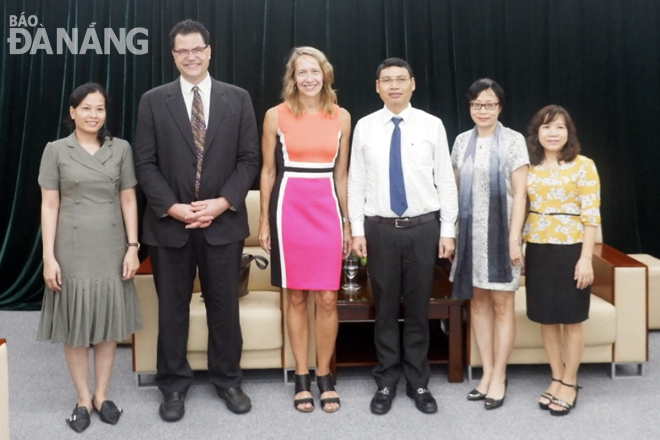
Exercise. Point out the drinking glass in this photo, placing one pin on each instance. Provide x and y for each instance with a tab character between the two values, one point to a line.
351	265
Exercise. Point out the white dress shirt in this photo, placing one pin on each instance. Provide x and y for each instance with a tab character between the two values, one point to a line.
204	93
427	170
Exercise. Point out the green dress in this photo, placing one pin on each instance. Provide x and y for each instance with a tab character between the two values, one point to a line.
95	304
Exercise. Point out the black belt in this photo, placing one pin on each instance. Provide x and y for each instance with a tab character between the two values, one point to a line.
405	222
554	213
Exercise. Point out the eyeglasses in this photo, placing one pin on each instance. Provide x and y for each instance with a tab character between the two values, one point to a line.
387	80
490	106
184	53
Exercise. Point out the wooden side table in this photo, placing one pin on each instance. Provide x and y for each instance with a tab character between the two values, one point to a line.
355	345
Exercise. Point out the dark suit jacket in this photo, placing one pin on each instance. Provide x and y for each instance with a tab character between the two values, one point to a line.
165	161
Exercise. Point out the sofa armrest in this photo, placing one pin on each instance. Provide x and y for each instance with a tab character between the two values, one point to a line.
4	391
145	340
621	281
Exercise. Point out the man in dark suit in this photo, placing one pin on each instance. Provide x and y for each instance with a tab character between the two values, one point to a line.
196	156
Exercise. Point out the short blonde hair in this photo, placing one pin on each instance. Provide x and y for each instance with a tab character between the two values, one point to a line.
290	91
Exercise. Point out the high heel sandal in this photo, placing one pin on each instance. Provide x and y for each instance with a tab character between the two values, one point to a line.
303	383
546	395
566	407
490	403
325	385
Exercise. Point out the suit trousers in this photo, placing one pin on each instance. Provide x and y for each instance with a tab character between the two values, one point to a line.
401	264
174	274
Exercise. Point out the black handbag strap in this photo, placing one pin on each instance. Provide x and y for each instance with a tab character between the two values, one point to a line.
261	262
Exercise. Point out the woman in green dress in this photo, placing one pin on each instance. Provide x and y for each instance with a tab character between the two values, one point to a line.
89	228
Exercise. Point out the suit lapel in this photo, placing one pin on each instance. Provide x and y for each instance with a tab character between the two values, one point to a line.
96	162
177	108
217	110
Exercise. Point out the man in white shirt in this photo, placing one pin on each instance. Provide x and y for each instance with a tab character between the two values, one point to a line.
400	179
196	156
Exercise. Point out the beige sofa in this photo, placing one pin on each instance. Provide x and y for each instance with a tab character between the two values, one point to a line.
4	392
616	331
653	285
265	342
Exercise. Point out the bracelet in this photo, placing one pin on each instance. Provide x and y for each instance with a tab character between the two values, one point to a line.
137	245
344	219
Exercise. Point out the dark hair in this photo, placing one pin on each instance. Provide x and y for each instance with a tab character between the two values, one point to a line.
189	26
548	114
482	84
78	95
394	62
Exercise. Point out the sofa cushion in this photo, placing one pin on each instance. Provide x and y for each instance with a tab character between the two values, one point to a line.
261	322
599	329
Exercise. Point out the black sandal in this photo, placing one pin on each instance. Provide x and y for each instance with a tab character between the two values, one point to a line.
325	384
548	396
303	383
566	407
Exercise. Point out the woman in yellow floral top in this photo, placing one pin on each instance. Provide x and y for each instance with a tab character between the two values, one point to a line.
564	195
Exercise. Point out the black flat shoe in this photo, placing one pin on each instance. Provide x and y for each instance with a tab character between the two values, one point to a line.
490	403
566	407
303	383
424	400
79	420
475	395
172	409
325	384
109	412
236	400
381	403
548	396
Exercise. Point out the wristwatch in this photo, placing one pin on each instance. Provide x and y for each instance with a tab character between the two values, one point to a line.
137	245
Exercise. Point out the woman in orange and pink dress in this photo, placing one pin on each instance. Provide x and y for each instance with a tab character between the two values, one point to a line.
303	211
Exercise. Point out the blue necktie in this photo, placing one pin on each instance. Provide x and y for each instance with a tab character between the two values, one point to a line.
398	201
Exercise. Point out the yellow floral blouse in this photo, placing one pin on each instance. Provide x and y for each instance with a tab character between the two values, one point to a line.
562	201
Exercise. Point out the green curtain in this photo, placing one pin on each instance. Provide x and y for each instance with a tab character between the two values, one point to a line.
598	58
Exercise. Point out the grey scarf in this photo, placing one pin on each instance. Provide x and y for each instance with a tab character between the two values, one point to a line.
499	265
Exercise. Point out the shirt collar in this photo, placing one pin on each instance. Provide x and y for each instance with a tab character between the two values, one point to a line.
204	86
388	115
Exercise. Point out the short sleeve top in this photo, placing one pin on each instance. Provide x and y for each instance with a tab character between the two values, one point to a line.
516	149
56	163
562	201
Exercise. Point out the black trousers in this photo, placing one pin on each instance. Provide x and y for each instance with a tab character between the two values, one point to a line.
401	263
174	274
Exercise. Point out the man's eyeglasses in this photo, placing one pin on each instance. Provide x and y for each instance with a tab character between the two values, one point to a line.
490	106
387	80
186	53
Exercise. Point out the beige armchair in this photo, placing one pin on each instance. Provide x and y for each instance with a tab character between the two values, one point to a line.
4	391
653	286
265	342
616	331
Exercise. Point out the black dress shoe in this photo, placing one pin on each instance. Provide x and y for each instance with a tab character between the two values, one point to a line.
475	395
109	412
237	401
79	420
382	400
491	403
424	400
172	409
